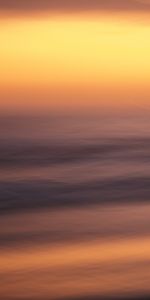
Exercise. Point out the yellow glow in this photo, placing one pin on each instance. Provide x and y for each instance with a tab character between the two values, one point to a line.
84	53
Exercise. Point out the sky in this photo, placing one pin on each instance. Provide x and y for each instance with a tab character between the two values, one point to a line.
74	55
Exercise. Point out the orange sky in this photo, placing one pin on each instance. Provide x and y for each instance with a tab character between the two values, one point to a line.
74	61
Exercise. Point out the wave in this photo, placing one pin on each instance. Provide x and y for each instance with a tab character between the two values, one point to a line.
21	195
72	211
42	153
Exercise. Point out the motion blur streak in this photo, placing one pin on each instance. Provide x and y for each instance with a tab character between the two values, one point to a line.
74	216
112	259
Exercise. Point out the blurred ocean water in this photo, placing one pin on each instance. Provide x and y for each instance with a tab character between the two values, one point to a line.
74	207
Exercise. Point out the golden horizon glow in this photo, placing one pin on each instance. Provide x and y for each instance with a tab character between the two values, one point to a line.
101	55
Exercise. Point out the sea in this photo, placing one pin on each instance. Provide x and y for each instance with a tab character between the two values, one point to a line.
75	206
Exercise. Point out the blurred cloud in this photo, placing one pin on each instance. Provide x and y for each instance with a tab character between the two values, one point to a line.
71	5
